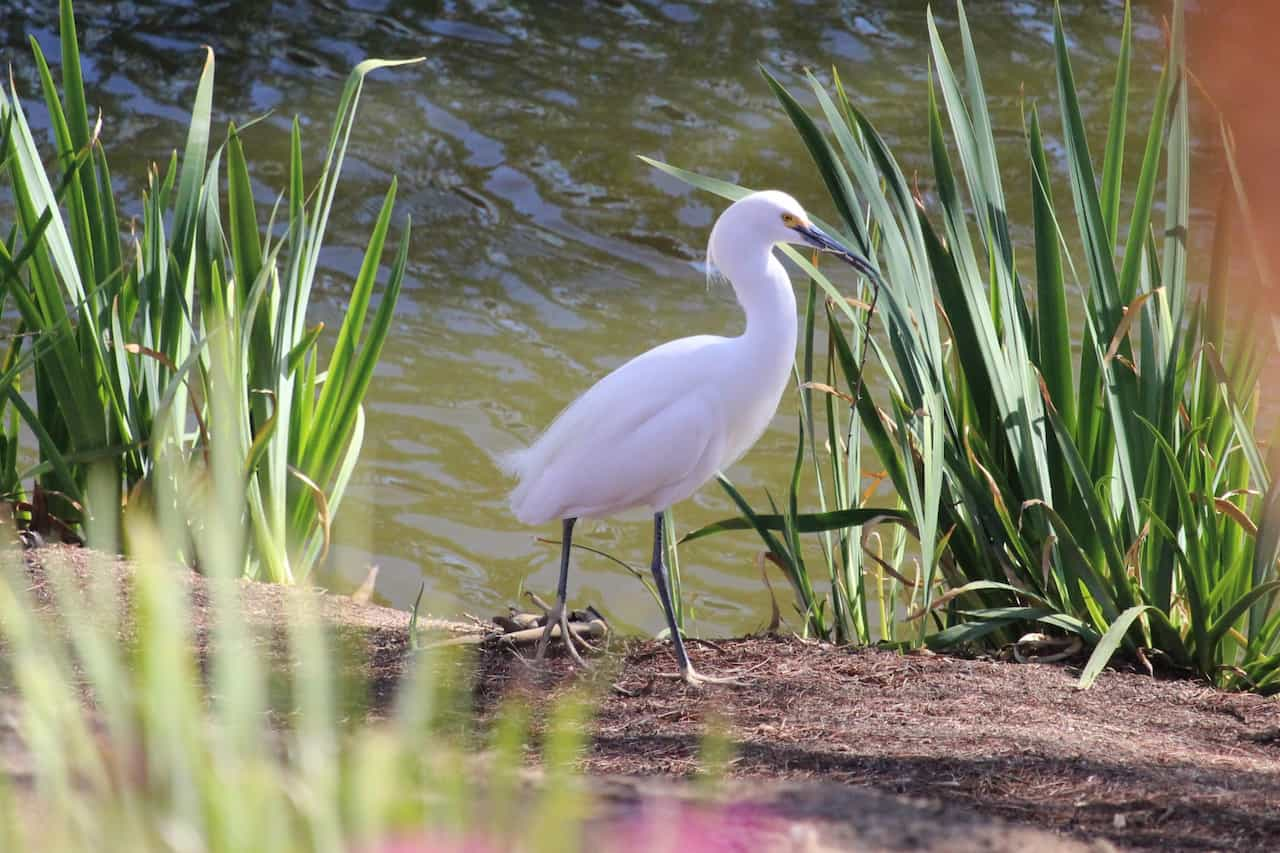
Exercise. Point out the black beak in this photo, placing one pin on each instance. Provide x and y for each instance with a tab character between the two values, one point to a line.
820	240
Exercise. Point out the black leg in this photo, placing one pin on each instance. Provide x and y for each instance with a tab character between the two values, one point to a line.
659	570
562	590
559	613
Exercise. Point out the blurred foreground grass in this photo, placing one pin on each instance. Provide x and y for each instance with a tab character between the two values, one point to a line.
134	731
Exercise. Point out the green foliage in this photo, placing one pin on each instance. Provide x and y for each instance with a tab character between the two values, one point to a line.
1121	497
252	754
128	335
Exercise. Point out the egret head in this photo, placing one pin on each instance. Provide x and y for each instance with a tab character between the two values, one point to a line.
770	217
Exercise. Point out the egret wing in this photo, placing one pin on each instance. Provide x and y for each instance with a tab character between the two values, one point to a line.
611	410
609	469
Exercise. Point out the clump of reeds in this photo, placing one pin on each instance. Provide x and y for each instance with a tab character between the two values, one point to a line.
123	329
1120	494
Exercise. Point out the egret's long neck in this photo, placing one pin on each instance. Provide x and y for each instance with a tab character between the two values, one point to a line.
764	290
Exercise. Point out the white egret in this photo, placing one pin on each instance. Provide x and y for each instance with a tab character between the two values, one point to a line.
660	426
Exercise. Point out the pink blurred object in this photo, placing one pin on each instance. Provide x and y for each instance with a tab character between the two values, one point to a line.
673	825
662	826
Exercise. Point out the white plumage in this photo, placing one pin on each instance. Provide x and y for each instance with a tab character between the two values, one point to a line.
657	428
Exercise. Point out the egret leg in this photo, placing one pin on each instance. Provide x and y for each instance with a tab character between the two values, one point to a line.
659	569
559	615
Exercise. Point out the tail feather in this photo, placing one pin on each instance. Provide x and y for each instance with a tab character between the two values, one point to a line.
517	464
512	463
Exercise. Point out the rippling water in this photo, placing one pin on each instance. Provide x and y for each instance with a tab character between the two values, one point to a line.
544	253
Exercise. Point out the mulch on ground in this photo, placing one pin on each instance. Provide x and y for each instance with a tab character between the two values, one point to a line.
1141	762
869	734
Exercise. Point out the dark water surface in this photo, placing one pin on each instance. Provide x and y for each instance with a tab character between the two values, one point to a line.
544	253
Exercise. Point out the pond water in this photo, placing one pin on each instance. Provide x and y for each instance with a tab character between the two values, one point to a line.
544	253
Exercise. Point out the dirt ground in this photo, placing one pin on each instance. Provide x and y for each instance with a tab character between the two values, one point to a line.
863	749
1139	762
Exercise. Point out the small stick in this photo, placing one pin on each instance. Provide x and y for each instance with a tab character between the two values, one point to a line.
537	599
595	629
866	339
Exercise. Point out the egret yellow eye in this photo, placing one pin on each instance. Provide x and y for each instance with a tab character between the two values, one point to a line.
790	220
